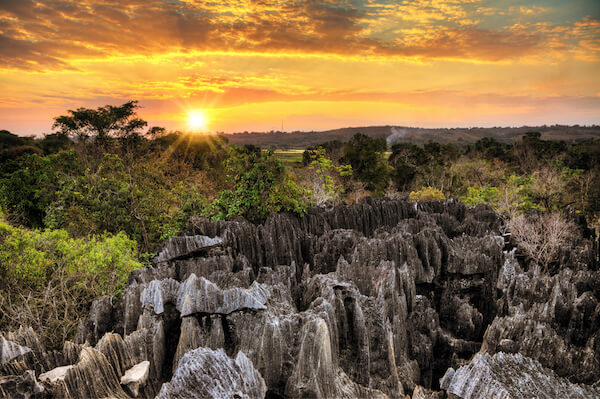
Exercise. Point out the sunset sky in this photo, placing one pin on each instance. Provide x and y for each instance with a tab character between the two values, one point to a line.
313	65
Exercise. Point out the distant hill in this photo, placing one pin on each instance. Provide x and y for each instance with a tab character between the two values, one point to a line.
415	135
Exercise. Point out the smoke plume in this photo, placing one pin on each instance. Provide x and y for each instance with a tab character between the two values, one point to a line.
396	135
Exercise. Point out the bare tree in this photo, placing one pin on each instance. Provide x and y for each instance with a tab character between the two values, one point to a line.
541	236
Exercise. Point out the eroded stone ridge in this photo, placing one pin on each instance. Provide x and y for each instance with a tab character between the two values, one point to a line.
199	295
206	373
180	247
511	376
11	350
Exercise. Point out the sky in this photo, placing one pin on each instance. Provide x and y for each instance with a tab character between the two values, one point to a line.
304	65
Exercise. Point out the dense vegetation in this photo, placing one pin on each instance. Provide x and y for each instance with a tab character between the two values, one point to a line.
85	205
530	175
48	279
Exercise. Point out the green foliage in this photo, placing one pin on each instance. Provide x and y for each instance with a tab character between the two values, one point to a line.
585	155
188	202
139	199
366	156
53	143
481	195
49	279
325	187
26	192
491	148
334	150
426	194
20	258
101	262
429	165
260	186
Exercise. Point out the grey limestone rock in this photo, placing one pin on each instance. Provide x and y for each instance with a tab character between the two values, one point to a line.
553	319
206	373
199	295
180	247
316	374
511	376
160	292
10	350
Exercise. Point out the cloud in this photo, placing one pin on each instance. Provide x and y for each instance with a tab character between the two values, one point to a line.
52	33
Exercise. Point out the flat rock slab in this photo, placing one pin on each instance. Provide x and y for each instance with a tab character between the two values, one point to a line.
136	377
199	295
184	246
55	375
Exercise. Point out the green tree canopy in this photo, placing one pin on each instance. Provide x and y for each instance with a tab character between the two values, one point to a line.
260	186
366	155
102	122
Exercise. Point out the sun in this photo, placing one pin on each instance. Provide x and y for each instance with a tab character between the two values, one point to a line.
197	120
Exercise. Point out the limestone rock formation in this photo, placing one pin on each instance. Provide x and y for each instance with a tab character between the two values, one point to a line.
20	386
373	300
511	376
553	319
205	373
11	350
180	247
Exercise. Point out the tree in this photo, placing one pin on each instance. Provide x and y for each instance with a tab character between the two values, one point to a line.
143	199
260	186
334	150
26	192
9	140
324	187
405	160
366	155
55	142
491	148
541	236
102	123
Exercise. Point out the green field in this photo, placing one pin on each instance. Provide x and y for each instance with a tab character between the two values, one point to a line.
290	156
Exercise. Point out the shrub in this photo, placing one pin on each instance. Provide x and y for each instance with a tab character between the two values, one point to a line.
49	279
426	194
481	195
